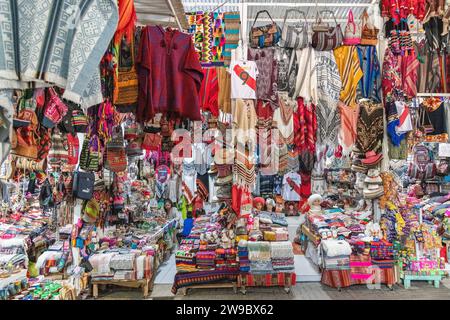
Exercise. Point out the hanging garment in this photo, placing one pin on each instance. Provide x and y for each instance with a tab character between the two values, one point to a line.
370	84
209	92
435	115
306	82
305	126
369	129
224	88
283	116
393	122
32	32
329	82
264	110
127	21
287	70
328	124
244	174
170	75
404	115
244	121
350	72
349	121
267	72
189	178
243	79
291	186
422	53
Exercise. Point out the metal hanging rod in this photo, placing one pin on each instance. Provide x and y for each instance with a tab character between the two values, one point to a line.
169	2
424	94
283	4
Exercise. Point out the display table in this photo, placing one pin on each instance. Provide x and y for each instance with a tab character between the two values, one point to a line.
280	279
144	284
214	279
342	278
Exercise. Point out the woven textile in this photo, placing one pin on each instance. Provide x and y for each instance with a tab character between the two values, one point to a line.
269	280
342	278
369	129
232	27
58	43
202	277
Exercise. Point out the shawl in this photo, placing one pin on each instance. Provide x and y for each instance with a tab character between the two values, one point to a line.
369	129
127	20
328	124
370	83
349	120
224	89
350	71
329	82
281	250
245	118
56	43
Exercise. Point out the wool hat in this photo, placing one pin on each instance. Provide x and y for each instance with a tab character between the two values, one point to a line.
372	158
314	197
373	176
258	200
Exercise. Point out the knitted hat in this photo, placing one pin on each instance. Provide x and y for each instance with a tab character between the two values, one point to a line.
258	200
314	197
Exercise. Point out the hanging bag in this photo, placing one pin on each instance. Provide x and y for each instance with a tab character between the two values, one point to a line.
126	95
90	154
326	38
352	33
369	33
116	157
264	36
294	37
83	185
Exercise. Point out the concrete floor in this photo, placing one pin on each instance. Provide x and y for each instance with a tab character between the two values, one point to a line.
301	291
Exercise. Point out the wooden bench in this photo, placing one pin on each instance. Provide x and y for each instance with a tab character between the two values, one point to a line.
211	286
144	284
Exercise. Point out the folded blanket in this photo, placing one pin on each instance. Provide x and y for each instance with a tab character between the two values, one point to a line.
333	248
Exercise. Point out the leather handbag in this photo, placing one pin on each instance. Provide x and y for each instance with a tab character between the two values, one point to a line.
324	37
83	185
294	37
264	36
116	157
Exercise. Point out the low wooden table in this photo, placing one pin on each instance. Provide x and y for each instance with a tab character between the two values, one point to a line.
144	284
233	285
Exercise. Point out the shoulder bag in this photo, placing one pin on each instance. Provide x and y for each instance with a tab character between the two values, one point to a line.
326	38
83	185
294	37
264	36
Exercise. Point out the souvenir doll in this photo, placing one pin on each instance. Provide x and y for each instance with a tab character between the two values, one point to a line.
258	204
314	201
270	204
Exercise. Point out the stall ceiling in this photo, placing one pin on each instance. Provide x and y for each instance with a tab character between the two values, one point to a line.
160	12
278	8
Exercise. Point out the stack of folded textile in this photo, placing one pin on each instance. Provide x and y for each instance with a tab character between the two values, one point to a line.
124	266
382	253
185	259
244	262
205	260
360	266
336	254
226	259
260	258
282	255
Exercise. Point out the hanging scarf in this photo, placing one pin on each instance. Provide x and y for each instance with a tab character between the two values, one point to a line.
127	20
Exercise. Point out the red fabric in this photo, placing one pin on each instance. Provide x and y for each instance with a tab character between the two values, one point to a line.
248	80
209	92
305	126
264	110
342	278
74	148
279	279
170	75
239	198
305	188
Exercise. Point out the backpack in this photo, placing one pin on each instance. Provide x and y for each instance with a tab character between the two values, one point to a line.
422	167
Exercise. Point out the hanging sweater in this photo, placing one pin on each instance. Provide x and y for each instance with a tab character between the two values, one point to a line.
350	72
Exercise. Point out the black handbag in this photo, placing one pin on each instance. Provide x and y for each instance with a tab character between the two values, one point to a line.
83	185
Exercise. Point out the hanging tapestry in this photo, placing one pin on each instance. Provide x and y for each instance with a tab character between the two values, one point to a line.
208	31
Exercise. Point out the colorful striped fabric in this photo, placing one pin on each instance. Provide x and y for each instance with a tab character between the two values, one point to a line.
350	71
202	277
232	28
